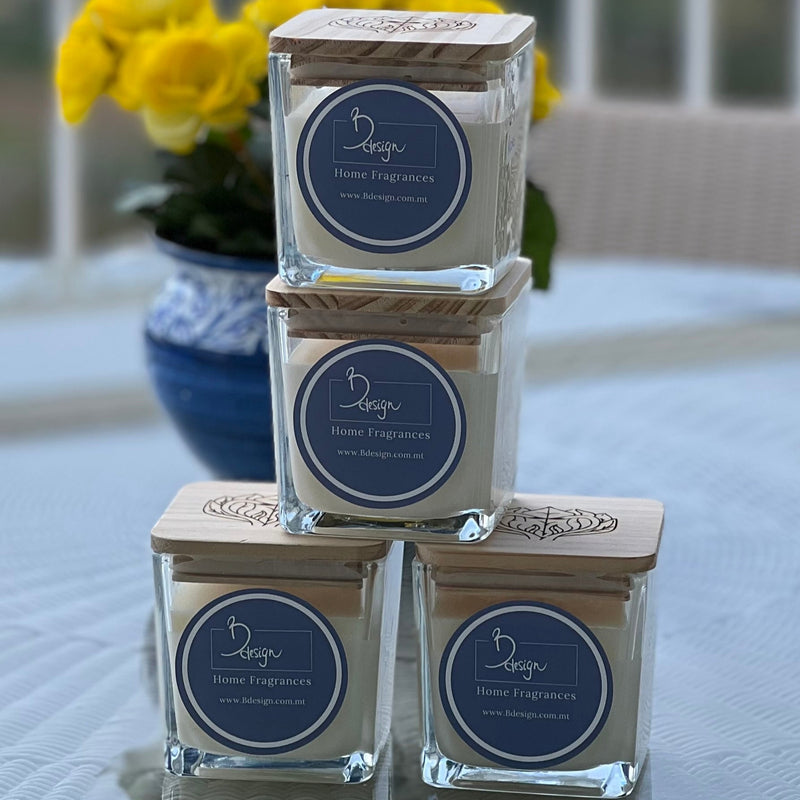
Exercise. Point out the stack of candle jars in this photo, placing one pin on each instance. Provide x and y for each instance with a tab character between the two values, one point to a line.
397	344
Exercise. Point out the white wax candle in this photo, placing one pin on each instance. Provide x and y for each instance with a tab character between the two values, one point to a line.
471	237
473	484
606	616
353	728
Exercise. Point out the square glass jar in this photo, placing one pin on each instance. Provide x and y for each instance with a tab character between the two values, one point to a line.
399	146
379	787
276	651
399	412
537	649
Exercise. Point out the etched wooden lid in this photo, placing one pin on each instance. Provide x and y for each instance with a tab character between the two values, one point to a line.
421	36
492	303
217	518
565	534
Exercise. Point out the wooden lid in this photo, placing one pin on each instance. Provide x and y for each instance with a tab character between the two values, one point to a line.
555	533
423	36
218	518
492	303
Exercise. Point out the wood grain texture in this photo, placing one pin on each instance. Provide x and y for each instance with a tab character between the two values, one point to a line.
224	518
566	534
431	75
472	341
425	36
492	303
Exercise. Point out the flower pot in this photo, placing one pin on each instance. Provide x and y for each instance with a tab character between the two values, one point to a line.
206	342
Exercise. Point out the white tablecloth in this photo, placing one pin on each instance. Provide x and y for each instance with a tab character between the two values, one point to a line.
676	383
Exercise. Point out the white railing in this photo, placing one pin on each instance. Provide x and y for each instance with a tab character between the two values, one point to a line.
698	43
65	172
581	49
698	49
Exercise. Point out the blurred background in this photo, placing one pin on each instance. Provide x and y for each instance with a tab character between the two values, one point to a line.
678	140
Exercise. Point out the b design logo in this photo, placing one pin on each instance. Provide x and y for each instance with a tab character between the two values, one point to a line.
525	684
363	140
379	423
261	671
358	399
504	660
384	166
238	647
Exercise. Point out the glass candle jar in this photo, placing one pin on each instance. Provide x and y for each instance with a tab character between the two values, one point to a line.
175	787
399	141
399	411
276	652
537	649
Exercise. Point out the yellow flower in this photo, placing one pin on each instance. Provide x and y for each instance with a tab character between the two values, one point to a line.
248	46
85	66
121	20
127	86
546	97
268	14
453	6
189	78
177	132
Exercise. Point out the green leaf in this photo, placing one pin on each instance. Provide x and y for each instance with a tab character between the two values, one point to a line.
210	164
215	200
539	234
247	242
204	227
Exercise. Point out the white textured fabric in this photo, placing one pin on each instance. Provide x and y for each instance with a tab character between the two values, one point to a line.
718	441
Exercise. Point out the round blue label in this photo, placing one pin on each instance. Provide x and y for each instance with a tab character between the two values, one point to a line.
260	671
384	166
379	423
525	684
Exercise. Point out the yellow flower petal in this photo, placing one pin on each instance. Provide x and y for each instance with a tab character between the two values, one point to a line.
121	20
247	46
84	69
127	88
447	6
177	132
181	69
268	14
207	75
546	97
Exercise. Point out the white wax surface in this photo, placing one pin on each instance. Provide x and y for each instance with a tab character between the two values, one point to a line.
469	240
471	484
352	729
616	740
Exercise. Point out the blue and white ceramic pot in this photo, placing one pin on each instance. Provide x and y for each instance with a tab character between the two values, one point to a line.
206	340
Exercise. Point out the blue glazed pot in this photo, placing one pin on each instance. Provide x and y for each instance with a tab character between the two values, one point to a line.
206	342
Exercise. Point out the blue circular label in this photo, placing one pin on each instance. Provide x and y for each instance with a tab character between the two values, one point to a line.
384	166
261	672
379	423
525	684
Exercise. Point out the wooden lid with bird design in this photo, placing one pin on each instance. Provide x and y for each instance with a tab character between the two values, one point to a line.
564	534
223	518
403	35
